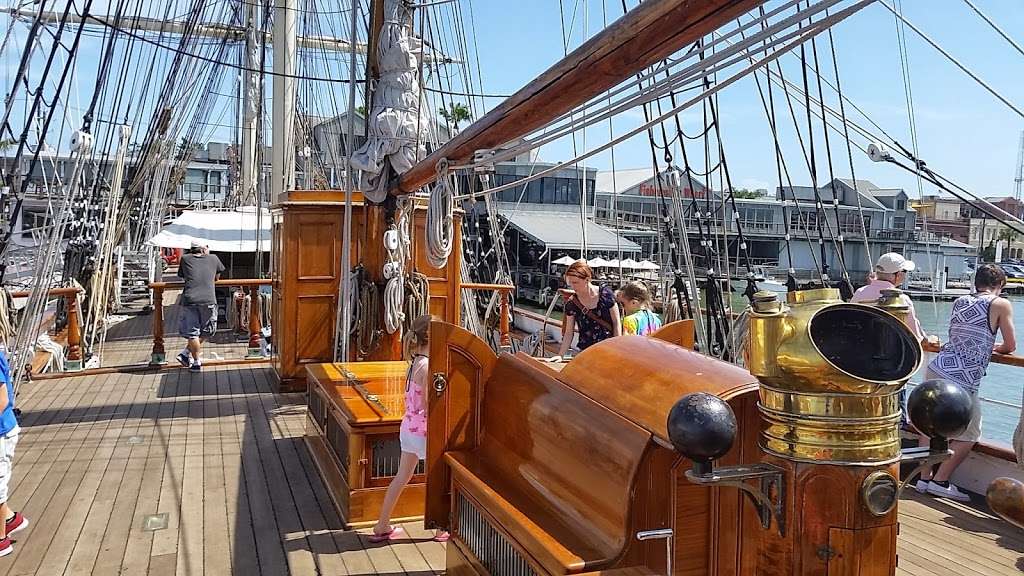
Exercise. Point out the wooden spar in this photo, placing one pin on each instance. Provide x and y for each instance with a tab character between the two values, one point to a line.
644	36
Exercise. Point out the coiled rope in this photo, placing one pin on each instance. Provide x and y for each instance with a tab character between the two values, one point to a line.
440	217
394	291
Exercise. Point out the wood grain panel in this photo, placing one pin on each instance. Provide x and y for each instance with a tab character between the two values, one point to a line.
318	236
314	328
869	552
465	362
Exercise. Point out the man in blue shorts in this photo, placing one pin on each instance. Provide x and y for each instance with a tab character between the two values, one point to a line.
198	318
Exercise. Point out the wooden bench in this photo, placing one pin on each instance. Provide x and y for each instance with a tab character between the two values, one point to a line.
567	508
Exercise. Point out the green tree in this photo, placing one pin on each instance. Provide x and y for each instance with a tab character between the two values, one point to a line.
459	112
1007	234
6	144
746	193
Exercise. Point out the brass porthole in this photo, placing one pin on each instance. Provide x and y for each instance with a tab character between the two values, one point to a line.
880	492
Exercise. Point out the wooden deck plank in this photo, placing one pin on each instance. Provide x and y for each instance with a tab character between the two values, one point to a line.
246	556
191	526
349	543
138	548
96	462
68	496
216	538
112	548
410	551
35	452
101	513
172	436
285	408
433	553
269	546
973	553
300	558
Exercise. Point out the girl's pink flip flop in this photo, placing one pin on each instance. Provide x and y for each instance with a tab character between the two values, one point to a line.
389	535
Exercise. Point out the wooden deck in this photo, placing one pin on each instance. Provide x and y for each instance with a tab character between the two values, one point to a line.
131	342
217	452
223	458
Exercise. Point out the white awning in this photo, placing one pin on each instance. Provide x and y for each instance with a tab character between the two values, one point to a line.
564	261
221	230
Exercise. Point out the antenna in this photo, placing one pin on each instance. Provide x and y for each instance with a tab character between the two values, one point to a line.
1019	180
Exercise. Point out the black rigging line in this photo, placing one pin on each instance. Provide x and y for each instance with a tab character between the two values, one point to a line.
5	243
813	167
781	170
845	286
210	59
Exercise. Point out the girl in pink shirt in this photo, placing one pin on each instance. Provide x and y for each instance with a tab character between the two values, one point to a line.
413	432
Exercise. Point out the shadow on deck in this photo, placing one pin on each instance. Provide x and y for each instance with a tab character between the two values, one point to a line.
216	456
130	342
219	458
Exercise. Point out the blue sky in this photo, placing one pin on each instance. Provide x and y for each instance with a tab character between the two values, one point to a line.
964	133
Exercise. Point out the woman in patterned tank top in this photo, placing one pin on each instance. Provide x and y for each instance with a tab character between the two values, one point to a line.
963	359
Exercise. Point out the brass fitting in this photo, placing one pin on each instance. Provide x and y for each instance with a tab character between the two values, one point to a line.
830	375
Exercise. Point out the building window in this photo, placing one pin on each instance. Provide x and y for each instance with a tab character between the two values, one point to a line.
533	192
548	195
899	222
901	204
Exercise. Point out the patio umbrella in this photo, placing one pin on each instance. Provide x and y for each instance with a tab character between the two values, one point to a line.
564	261
628	263
597	262
648	265
613	263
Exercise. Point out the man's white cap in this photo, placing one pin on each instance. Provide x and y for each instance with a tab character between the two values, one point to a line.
892	262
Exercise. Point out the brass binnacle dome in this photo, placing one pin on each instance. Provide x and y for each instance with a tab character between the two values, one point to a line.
830	375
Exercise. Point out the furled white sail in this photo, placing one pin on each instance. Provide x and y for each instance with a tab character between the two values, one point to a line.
395	113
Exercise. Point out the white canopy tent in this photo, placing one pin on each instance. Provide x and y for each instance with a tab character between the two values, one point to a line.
221	230
564	261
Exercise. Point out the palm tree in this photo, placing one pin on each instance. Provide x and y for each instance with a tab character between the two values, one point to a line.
459	112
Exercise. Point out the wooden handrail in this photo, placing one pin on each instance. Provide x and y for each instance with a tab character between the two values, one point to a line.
1007	359
73	361
495	287
504	328
159	354
66	291
241	282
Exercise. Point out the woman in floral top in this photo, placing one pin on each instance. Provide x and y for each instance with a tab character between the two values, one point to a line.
591	309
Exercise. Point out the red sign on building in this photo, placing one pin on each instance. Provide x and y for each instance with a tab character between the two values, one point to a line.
647	189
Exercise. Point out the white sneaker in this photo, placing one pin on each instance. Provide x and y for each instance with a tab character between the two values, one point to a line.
921	486
952	492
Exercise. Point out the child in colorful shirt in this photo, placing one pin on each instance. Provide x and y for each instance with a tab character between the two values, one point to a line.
9	431
413	431
635	300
